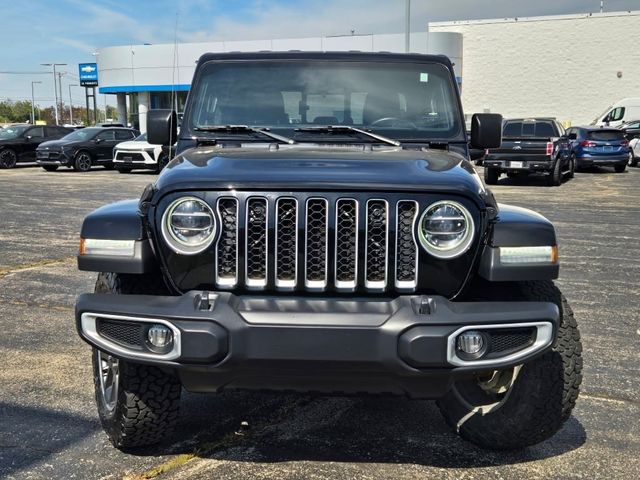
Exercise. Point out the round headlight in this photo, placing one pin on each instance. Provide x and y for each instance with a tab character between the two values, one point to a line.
446	229
188	225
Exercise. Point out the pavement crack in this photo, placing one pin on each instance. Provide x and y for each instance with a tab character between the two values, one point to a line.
4	271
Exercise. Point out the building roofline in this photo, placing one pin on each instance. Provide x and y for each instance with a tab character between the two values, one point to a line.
544	18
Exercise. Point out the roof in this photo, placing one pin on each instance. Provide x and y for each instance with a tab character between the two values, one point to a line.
348	56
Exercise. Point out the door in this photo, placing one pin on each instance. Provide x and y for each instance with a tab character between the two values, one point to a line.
105	141
32	138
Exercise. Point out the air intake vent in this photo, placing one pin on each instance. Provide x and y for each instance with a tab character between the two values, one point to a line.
377	233
286	242
227	249
256	242
316	244
127	334
346	256
406	245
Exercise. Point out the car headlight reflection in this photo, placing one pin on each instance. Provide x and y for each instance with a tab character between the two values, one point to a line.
446	229
188	225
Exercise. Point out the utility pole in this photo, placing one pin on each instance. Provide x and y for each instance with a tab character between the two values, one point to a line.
601	6
33	108
407	26
55	89
60	75
71	103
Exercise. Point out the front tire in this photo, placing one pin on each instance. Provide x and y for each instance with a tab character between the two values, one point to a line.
8	158
50	168
124	170
82	162
541	393
137	404
491	175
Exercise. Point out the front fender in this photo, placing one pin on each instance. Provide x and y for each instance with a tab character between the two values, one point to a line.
518	227
118	221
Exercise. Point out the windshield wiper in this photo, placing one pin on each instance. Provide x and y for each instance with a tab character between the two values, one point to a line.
349	129
244	129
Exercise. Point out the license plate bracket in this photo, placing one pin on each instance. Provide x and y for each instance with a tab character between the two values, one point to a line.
516	164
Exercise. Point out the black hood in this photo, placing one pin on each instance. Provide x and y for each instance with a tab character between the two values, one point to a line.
56	144
322	168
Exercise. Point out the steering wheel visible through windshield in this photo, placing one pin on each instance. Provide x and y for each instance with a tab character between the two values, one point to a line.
404	101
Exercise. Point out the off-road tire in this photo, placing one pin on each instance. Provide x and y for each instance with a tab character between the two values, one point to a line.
146	409
50	168
620	168
544	393
555	176
8	158
148	398
491	175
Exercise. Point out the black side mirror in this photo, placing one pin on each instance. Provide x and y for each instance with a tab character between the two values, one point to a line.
98	140
162	127
486	130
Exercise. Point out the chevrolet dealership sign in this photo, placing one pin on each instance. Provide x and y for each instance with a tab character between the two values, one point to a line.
88	74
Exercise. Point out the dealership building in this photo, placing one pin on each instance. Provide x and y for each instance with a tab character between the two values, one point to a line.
570	67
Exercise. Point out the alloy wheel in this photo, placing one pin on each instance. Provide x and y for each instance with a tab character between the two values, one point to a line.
109	380
8	159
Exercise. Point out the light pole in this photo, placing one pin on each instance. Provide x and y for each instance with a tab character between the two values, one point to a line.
71	103
407	26
55	90
33	109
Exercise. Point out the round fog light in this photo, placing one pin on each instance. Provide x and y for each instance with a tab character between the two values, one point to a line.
160	336
470	342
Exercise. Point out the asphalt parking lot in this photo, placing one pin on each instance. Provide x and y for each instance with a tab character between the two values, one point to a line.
49	426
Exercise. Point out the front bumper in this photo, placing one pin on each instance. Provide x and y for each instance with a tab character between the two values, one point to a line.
404	345
58	158
134	158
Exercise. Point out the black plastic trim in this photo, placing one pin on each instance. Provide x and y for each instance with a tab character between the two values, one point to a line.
520	227
493	270
142	261
116	221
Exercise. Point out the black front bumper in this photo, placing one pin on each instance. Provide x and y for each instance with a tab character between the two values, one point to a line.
58	159
404	345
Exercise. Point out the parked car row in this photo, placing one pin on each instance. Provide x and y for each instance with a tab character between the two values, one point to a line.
542	145
109	145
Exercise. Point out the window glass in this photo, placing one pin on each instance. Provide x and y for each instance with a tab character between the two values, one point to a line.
528	129
545	129
403	100
606	135
616	114
36	132
512	129
124	135
106	135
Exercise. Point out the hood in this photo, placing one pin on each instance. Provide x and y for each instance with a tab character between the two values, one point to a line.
55	144
137	146
312	168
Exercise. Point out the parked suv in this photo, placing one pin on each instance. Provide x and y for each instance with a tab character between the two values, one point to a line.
602	147
530	145
322	229
83	148
18	143
139	154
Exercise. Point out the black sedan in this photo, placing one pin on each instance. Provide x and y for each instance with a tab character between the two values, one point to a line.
82	149
18	143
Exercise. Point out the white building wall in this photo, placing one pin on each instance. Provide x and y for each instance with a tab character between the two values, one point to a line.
562	66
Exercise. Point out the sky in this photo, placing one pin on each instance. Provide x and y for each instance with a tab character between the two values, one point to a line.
68	31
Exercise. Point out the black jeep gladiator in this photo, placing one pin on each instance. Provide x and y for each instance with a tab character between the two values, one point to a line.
321	229
530	145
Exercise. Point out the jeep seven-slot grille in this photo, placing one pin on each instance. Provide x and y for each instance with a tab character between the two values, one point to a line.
315	243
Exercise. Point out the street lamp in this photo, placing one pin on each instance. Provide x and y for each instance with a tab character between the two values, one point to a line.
71	103
33	110
55	90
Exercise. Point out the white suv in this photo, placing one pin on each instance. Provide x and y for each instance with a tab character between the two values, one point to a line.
139	154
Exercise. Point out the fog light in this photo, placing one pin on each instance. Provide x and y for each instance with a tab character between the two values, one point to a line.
471	342
160	336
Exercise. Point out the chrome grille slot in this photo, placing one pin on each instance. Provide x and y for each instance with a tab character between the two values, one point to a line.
286	243
346	249
406	245
316	243
227	248
377	231
256	242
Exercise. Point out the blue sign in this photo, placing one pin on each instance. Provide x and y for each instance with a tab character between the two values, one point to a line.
88	74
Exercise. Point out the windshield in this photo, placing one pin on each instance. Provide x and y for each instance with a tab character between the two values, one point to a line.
399	100
8	133
141	138
82	134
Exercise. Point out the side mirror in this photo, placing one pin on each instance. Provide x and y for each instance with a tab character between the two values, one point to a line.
486	130
98	140
162	127
572	136
28	137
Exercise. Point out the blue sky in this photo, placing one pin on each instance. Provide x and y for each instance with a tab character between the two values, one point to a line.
67	31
